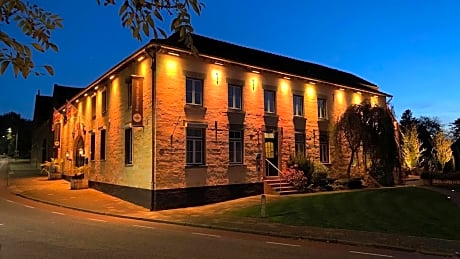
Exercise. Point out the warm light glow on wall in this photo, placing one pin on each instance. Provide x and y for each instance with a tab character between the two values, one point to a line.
171	67
339	97
374	100
217	76
284	87
311	91
143	68
357	98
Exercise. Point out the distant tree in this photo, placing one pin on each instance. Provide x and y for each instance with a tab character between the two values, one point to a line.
407	120
443	149
38	24
20	127
455	129
411	147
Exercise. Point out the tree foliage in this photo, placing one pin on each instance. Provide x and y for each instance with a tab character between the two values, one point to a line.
407	120
455	129
411	147
140	16
443	148
372	129
37	25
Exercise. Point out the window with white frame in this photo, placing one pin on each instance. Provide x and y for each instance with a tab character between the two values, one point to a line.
299	143
322	111
234	96
324	147
195	146
236	146
269	101
298	105
194	91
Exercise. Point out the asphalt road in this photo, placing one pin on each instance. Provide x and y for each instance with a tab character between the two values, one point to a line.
31	229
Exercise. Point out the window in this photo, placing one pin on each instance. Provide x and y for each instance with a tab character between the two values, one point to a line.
236	146
194	91
93	146
298	105
130	93
323	147
299	143
195	146
269	101
129	146
102	151
234	97
322	112
104	102
93	107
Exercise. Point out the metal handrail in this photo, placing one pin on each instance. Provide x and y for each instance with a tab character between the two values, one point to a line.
277	169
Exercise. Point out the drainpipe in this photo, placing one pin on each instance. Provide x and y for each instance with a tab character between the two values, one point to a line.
153	203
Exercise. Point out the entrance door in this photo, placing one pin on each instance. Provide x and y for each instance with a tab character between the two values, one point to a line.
271	153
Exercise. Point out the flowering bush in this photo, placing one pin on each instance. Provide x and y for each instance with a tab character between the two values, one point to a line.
296	178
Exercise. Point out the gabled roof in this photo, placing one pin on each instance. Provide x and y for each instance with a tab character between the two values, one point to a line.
61	94
43	108
258	58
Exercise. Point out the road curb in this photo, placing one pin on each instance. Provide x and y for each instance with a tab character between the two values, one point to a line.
256	232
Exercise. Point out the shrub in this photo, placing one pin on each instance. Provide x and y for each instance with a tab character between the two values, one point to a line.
296	178
439	176
303	164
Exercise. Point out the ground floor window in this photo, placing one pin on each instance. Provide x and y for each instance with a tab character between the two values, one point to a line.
128	146
324	147
299	143
195	146
236	146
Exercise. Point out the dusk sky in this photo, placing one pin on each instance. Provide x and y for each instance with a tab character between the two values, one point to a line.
409	48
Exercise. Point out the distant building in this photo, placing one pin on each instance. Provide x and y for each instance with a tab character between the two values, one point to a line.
165	128
43	146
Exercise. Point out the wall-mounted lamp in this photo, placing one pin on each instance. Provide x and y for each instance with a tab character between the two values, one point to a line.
140	58
86	94
112	77
96	87
77	101
255	71
312	83
173	53
80	152
286	77
63	110
219	63
358	92
341	89
67	155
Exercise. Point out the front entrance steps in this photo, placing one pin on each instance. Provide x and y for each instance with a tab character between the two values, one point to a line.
278	186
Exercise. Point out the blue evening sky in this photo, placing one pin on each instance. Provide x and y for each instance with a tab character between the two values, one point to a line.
410	48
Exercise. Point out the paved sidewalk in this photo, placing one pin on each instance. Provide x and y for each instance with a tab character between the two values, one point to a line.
27	182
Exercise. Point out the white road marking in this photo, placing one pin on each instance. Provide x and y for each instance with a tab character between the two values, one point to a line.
281	244
204	234
30	207
99	220
10	201
59	213
364	253
139	226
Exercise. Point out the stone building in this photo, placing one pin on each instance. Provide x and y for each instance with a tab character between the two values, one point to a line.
165	128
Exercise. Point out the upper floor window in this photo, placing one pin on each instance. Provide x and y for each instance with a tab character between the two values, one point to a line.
269	101
130	93
93	107
92	146
194	91
298	105
234	97
104	102
322	111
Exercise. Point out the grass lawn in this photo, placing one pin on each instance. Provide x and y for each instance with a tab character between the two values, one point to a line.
408	211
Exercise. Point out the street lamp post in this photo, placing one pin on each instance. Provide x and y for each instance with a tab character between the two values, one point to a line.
16	151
